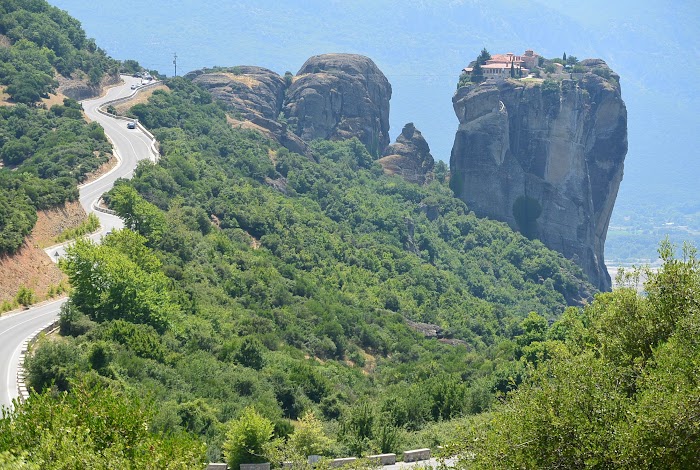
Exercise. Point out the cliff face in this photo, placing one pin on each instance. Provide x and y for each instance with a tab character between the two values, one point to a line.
546	158
257	96
252	91
409	157
339	96
334	96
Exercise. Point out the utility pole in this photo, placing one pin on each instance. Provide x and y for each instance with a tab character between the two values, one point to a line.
175	62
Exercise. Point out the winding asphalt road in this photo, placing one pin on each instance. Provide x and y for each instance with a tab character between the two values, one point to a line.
130	146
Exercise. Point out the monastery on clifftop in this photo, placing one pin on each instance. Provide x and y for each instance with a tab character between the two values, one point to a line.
499	66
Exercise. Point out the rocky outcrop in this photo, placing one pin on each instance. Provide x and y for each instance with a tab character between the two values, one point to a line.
409	156
79	89
334	96
256	97
545	157
340	96
254	92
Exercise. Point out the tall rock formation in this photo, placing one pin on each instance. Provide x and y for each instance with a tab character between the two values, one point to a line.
339	96
409	156
256	95
545	157
334	96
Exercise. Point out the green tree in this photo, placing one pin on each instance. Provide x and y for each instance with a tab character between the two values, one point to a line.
622	393
464	80
441	170
138	214
534	328
107	285
484	56
250	354
93	426
10	461
308	437
477	73
358	428
247	439
25	296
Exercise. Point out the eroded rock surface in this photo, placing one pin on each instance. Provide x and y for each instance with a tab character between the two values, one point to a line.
409	156
340	96
252	91
545	157
79	88
256	96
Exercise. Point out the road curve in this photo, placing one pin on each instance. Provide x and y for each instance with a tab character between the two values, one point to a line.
130	146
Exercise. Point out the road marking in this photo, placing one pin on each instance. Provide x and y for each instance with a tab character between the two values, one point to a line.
15	355
111	124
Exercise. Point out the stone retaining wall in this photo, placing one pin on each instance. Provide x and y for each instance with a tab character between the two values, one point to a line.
416	455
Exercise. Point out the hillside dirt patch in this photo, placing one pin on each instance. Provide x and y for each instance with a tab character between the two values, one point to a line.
53	222
244	79
4	97
140	98
250	126
30	266
53	99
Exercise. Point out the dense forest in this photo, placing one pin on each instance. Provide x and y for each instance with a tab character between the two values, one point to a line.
614	385
262	305
39	41
44	153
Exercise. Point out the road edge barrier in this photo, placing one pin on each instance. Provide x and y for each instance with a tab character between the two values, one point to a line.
21	372
23	391
101	109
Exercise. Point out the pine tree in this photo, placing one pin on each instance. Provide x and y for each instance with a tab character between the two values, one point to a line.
477	73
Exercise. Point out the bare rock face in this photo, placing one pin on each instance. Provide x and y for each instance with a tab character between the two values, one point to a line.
256	95
252	91
79	88
546	158
340	96
409	156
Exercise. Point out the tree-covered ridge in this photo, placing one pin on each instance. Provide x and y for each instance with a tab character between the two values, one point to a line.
45	40
614	385
261	278
44	155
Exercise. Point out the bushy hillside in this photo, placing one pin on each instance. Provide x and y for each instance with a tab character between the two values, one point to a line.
44	41
261	278
44	153
614	385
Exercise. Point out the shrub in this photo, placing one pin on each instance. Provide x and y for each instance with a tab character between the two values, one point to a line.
248	438
25	296
602	72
